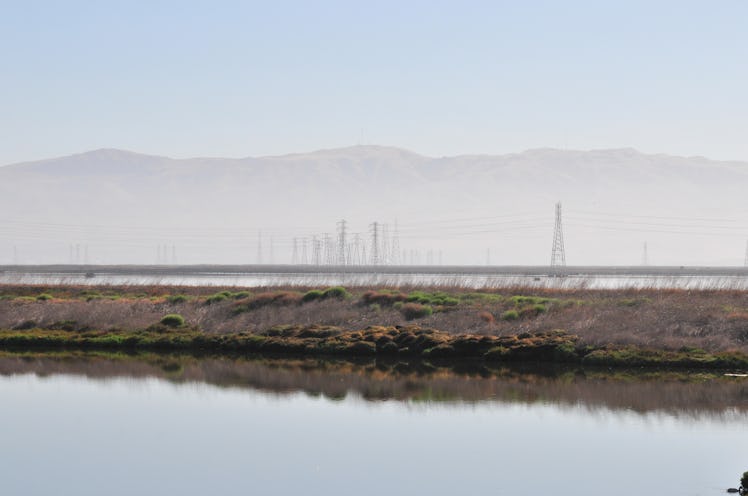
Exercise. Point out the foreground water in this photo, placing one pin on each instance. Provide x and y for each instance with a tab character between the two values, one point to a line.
86	424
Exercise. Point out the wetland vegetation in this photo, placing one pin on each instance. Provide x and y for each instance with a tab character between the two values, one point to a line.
658	328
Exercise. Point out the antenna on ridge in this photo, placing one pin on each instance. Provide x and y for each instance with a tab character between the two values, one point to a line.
558	255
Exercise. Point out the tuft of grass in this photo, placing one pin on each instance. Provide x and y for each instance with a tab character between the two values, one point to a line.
383	298
338	292
486	317
413	311
216	298
276	298
314	294
510	315
173	320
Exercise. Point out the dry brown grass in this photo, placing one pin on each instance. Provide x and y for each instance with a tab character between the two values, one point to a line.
714	320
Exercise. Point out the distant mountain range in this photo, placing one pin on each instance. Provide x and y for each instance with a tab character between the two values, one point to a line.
122	205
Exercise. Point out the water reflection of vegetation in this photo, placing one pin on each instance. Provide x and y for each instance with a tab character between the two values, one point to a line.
681	393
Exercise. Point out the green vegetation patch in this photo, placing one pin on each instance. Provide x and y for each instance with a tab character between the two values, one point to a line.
173	320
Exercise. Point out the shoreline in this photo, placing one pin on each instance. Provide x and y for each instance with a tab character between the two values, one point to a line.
412	342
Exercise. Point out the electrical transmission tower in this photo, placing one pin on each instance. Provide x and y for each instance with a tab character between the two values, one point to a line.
356	257
329	247
374	243
259	247
558	255
304	258
316	248
295	254
396	246
645	256
342	245
746	255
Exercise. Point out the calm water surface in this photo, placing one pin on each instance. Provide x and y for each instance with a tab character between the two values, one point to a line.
90	425
477	281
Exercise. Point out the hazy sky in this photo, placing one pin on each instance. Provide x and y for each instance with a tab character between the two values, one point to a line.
239	78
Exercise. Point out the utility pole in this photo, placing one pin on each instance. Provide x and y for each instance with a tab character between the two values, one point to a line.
341	243
558	255
259	247
746	254
645	256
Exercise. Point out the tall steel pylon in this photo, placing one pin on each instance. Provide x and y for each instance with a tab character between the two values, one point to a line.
558	255
645	255
342	244
375	260
746	255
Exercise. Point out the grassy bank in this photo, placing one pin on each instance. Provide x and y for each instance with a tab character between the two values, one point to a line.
405	342
672	328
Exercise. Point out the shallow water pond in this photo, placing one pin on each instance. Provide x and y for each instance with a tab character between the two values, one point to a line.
90	424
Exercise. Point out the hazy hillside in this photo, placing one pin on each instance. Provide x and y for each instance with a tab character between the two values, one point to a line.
122	205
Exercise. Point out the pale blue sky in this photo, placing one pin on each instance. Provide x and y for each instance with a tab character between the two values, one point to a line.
230	78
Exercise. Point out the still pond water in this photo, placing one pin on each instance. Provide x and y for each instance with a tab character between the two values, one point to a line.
93	425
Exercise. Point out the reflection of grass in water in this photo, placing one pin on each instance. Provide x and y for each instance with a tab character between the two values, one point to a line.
419	381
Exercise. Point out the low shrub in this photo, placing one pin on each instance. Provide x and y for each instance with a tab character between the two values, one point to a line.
486	317
173	320
744	480
240	295
415	311
338	292
510	315
383	298
520	300
44	297
277	298
314	294
173	299
216	298
438	299
531	311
